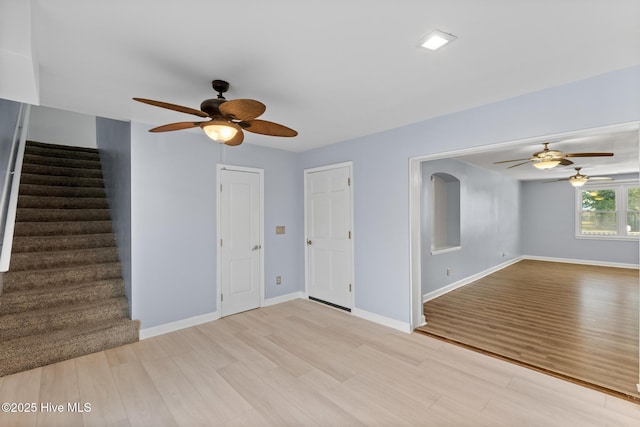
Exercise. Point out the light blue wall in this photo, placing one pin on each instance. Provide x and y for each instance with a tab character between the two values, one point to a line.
173	231
9	111
548	226
381	168
113	139
8	118
489	223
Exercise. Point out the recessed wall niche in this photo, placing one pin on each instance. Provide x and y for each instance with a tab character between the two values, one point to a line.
445	213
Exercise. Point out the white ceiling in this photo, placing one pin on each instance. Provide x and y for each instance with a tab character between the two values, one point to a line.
623	141
333	70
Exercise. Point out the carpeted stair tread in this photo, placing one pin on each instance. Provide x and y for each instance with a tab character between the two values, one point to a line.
62	151
37	169
60	191
63	295
39	350
61	228
55	318
40	298
30	279
47	202
61	215
62	243
68	181
35	159
40	260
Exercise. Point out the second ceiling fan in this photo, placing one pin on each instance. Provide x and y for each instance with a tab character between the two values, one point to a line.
547	159
578	180
228	119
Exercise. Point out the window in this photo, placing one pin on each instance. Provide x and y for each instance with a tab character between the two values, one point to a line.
608	211
445	213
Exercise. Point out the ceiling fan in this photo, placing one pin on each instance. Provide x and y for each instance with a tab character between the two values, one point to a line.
578	180
228	119
547	159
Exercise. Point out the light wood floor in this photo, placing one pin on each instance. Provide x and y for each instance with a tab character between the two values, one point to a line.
573	320
303	364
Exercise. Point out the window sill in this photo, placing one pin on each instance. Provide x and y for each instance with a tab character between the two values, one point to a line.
445	249
615	238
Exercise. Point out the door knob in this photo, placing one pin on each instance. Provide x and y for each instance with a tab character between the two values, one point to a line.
309	242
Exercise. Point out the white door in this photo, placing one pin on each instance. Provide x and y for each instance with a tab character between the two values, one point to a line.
329	235
240	245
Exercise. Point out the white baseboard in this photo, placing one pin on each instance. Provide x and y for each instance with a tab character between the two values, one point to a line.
463	282
282	298
204	318
177	325
382	320
582	262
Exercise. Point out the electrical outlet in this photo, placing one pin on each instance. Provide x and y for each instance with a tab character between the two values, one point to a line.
278	280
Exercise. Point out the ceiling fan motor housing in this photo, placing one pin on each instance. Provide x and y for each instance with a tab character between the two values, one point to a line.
212	106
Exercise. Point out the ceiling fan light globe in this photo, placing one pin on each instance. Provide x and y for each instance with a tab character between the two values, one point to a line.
578	181
546	163
220	130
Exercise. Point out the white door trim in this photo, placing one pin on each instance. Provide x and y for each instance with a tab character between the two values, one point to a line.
348	164
219	168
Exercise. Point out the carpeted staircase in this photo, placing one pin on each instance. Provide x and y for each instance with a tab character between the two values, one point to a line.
63	295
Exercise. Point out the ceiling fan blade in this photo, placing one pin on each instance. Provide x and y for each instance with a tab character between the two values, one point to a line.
519	164
507	161
565	162
589	155
173	107
600	178
236	140
175	126
268	128
242	109
556	180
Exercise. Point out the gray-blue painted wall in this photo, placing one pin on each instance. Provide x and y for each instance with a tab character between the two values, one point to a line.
548	226
113	139
173	228
8	118
9	111
489	223
173	181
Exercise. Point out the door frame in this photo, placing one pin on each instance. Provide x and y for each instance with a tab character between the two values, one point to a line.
348	164
220	167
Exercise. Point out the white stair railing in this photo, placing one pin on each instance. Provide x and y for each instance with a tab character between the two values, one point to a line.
9	197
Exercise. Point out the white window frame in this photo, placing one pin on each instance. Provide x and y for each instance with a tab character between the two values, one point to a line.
621	189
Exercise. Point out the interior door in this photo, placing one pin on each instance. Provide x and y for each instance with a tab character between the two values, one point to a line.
329	235
240	213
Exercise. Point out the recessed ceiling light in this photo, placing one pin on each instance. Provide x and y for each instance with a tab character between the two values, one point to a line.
436	39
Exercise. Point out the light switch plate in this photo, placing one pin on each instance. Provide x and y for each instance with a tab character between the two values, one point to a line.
279	229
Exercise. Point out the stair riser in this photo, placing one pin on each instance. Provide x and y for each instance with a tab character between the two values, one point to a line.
16	280
61	171
35	202
31	261
61	228
37	322
59	215
64	181
21	301
60	191
19	357
34	159
61	243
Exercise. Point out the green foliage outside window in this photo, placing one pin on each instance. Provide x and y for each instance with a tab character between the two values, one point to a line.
633	211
